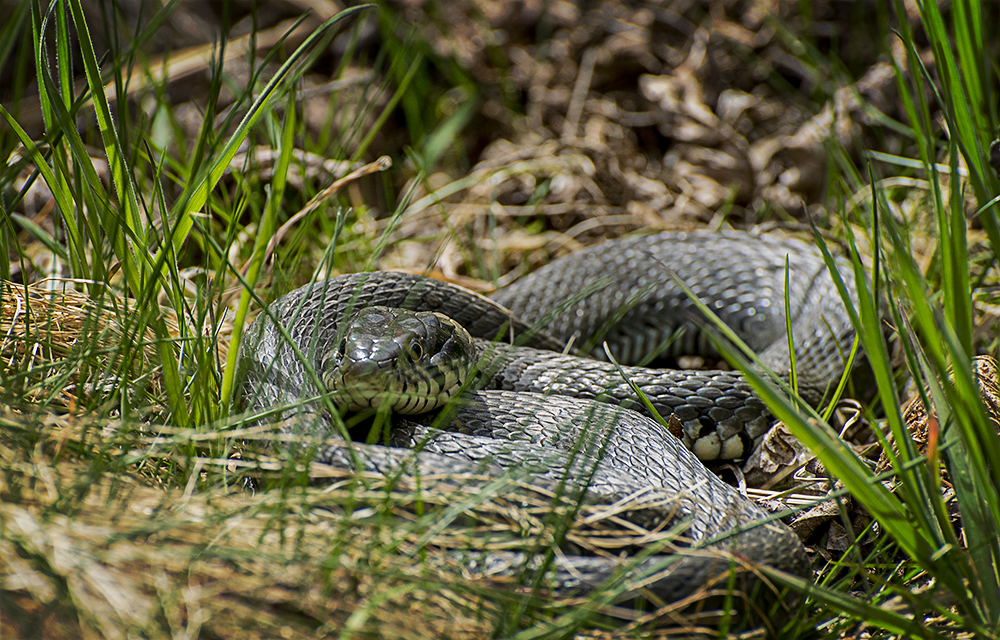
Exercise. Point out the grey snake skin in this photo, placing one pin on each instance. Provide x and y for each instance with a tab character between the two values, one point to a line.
568	421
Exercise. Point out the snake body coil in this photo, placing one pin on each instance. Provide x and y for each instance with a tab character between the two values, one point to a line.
533	408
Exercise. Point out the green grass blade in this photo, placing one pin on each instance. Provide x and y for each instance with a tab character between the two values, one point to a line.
387	111
41	235
955	259
968	125
268	224
76	255
132	254
196	193
60	193
879	616
793	380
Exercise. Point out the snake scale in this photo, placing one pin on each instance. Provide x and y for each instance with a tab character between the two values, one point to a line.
555	417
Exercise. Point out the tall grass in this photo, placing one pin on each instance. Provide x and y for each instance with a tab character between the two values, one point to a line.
936	580
149	241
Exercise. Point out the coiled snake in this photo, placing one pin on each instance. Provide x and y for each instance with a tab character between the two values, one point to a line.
555	416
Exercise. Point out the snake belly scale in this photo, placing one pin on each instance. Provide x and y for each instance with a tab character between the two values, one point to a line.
553	415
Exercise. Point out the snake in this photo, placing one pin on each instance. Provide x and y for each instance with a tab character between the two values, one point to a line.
540	380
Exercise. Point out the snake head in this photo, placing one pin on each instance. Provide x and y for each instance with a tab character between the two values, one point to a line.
414	361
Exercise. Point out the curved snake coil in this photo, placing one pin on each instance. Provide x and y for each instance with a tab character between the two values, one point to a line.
554	416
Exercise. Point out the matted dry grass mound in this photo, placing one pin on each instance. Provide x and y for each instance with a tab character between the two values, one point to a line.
97	541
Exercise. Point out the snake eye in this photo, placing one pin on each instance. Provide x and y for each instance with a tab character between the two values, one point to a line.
415	351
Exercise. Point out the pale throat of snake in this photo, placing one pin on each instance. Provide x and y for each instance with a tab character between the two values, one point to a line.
405	361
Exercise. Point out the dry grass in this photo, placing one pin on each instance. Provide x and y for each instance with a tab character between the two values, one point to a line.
95	543
50	330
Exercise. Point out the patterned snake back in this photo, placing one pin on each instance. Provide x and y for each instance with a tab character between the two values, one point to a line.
621	292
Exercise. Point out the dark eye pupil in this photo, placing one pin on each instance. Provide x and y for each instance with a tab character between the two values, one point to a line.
416	351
